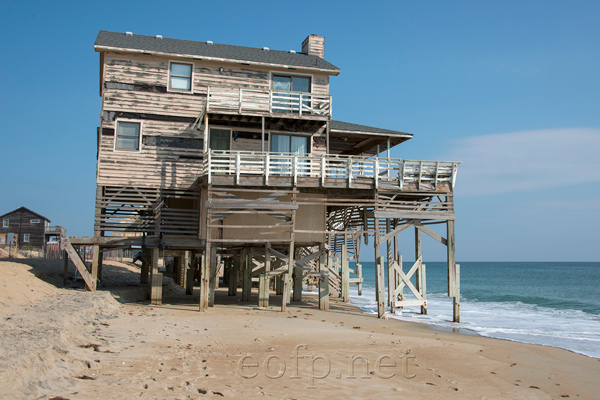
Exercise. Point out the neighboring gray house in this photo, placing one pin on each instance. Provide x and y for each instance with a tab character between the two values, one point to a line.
28	226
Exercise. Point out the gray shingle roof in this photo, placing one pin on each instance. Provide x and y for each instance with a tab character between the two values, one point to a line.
347	126
25	209
118	40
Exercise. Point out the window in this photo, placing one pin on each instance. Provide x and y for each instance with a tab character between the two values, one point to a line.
5	223
291	83
219	139
128	136
26	238
180	77
34	221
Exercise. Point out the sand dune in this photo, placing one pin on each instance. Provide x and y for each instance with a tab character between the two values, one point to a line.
66	343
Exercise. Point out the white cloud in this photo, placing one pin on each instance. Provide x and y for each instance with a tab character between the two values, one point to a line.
526	160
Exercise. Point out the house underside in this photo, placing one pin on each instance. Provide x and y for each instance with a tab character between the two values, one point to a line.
227	159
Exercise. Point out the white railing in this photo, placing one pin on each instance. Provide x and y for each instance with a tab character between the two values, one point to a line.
399	172
240	100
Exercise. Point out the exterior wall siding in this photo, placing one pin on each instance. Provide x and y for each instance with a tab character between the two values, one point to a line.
20	224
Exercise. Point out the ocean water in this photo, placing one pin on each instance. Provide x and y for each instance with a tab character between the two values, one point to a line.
548	303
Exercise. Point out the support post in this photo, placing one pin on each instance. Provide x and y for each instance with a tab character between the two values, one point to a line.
191	268
324	282
398	281
213	279
156	280
65	266
286	289
286	284
420	271
279	285
96	262
345	275
145	270
453	284
456	299
298	284
379	281
204	277
247	284
390	268
233	273
263	285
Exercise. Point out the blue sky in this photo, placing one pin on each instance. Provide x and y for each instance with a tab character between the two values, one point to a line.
510	88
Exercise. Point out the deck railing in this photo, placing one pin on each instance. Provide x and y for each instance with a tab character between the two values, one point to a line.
259	101
381	171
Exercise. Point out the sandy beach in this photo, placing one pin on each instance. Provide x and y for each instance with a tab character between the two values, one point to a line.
64	343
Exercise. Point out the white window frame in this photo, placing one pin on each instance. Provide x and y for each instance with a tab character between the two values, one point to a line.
170	89
5	223
139	149
26	237
34	221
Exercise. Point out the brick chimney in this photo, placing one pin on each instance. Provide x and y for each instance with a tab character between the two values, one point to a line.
314	45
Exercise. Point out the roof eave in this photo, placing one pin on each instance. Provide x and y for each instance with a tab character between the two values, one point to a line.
100	48
399	134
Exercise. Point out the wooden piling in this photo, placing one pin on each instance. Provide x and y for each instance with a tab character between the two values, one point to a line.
213	279
204	277
190	272
155	279
297	276
65	257
379	281
247	283
324	282
233	275
345	275
264	281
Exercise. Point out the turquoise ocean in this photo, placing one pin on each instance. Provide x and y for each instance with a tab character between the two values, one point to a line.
547	303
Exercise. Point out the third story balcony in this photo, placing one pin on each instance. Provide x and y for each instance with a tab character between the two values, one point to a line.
260	102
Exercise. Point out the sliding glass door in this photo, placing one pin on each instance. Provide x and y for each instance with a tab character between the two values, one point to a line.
289	145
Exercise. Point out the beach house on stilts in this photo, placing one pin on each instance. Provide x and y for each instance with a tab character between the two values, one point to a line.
228	159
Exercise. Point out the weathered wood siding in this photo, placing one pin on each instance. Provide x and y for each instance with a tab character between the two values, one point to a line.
170	157
136	87
152	74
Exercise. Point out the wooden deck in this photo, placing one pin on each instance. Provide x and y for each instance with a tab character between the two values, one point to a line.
240	168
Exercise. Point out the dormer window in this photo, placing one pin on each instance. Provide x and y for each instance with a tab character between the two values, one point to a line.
180	77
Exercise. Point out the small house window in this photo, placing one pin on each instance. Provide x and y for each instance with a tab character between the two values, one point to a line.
128	136
26	238
180	77
5	223
35	221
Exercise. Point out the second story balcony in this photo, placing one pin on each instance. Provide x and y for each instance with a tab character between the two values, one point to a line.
230	100
245	168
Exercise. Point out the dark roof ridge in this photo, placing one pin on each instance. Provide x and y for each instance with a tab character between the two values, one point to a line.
27	209
107	40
